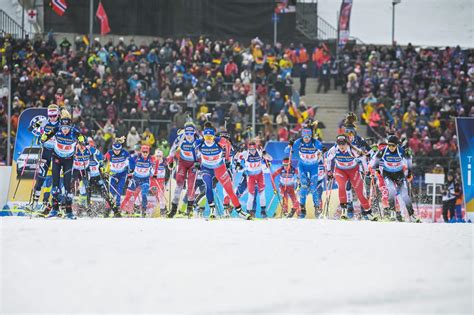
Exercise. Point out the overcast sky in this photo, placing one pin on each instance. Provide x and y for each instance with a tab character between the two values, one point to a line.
421	22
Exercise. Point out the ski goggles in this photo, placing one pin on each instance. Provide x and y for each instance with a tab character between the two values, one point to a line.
145	152
189	131
391	145
341	140
306	133
208	137
117	146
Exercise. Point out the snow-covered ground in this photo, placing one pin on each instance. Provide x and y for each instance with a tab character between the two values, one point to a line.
234	266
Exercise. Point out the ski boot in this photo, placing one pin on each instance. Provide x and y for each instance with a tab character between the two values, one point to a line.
387	214
143	213
344	215
227	211
201	212
243	214
303	212
368	215
136	211
393	215
252	213
163	212
107	213
414	219
52	214
263	213
399	216
46	209
189	209
212	211
291	213
317	212
350	214
117	213
69	215
172	212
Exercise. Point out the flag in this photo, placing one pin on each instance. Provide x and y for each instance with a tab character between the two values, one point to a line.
32	15
104	20
284	6
465	134
344	21
85	40
58	6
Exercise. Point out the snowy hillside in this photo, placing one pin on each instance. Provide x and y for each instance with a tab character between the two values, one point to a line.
157	265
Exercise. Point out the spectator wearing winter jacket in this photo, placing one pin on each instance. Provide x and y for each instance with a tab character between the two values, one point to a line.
133	138
353	91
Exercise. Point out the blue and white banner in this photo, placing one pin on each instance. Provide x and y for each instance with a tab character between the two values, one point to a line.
465	132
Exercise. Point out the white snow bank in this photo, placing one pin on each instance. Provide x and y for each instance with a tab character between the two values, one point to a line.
156	265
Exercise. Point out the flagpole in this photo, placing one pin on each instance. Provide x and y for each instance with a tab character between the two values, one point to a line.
91	22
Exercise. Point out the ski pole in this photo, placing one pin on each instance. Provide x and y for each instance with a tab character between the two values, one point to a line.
24	166
275	191
328	197
34	181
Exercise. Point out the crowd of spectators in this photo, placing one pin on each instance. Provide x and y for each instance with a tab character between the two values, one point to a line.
146	92
415	92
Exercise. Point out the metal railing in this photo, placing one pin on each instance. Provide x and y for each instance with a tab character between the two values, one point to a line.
325	29
9	26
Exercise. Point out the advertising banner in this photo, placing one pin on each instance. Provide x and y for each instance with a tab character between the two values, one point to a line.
465	132
25	157
344	22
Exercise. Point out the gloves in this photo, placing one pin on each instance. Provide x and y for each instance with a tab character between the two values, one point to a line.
291	142
330	175
238	166
130	174
197	165
155	176
227	164
324	149
409	175
171	164
44	138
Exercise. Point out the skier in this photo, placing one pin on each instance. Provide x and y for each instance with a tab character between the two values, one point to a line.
182	149
80	166
66	139
253	160
118	165
376	175
343	163
392	160
47	151
211	157
159	180
356	141
308	152
288	178
141	169
226	144
96	180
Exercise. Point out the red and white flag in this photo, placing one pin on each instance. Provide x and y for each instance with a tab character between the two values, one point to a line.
104	20
59	6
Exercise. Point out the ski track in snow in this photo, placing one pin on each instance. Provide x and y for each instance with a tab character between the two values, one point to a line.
234	266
